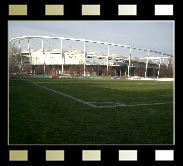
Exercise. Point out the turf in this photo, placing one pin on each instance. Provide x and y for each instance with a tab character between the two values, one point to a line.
38	116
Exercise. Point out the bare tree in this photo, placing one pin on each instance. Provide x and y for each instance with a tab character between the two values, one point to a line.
14	59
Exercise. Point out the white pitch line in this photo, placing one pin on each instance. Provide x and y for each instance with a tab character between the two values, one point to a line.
74	82
151	104
61	93
105	102
61	82
127	105
90	103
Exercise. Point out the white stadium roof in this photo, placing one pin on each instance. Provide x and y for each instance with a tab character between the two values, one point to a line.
90	41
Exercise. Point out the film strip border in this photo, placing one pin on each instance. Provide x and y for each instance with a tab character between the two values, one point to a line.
122	156
86	10
112	155
83	9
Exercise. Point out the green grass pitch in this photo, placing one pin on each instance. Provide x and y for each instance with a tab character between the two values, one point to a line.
38	116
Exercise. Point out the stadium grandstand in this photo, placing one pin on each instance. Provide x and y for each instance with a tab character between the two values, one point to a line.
36	56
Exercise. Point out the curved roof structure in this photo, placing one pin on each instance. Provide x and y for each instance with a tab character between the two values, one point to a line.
90	41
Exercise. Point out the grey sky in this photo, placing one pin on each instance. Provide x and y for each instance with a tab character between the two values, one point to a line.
155	35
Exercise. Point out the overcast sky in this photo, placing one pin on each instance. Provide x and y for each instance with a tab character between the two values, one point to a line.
155	35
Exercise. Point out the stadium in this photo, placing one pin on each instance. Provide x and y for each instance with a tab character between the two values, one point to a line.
60	95
48	61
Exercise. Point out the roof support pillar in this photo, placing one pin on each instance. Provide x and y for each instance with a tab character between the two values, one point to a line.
159	66
84	52
43	54
129	62
30	57
108	58
19	48
61	48
147	61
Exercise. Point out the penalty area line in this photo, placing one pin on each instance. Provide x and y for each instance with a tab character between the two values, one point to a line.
133	105
63	94
126	105
94	104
